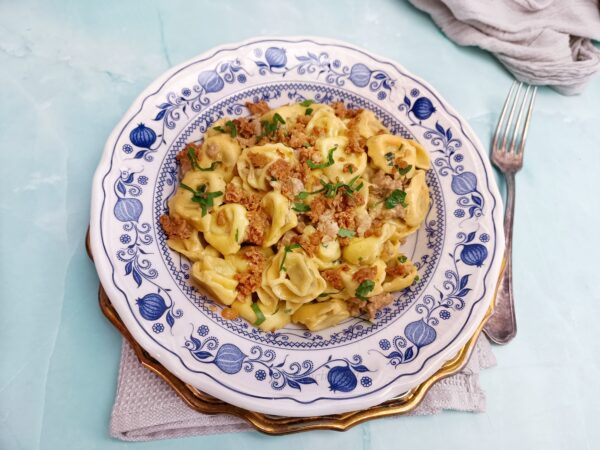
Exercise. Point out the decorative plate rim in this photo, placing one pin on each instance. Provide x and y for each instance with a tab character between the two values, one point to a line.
107	276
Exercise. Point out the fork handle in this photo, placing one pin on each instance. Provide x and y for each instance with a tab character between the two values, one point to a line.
502	326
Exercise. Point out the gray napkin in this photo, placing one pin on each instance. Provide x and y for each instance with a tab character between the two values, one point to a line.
146	407
542	42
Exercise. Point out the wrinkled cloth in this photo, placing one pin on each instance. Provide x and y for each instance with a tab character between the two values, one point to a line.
147	408
542	42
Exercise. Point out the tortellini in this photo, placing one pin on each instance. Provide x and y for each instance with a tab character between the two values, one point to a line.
386	149
417	199
217	277
317	316
368	125
222	148
326	120
254	163
227	228
190	247
366	250
303	222
293	277
282	217
342	161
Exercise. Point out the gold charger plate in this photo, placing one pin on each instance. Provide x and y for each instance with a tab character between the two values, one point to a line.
276	425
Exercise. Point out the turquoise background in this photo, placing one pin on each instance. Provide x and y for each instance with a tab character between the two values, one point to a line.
69	70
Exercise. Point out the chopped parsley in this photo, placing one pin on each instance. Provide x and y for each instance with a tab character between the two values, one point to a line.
329	190
237	234
230	126
389	157
203	198
306	103
405	170
329	162
363	289
191	154
351	168
260	317
402	259
345	232
397	197
308	111
269	128
301	207
326	294
417	278
287	249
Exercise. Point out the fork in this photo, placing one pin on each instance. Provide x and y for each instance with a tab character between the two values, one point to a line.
502	326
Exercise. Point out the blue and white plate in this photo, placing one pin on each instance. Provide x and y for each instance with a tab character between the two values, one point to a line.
294	372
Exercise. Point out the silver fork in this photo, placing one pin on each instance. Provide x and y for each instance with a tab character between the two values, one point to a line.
502	326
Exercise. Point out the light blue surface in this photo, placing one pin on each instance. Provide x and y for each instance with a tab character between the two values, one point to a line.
69	70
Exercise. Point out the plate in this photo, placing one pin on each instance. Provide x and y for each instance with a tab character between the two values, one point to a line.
294	372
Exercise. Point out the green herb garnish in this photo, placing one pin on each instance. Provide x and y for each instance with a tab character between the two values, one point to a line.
389	157
260	317
417	278
329	162
287	249
308	111
363	289
237	234
402	259
405	170
306	103
231	128
345	232
191	154
269	128
306	145
325	294
397	197
301	207
203	198
351	169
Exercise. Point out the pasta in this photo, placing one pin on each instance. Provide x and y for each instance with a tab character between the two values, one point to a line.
298	214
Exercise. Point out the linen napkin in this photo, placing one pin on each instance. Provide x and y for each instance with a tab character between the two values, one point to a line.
542	42
146	408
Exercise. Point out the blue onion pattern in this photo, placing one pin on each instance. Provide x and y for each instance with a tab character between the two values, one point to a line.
125	239
444	314
484	237
203	330
152	306
464	183
276	57
423	108
186	92
128	209
210	81
241	78
360	75
384	344
158	328
142	136
420	333
473	254
127	148
229	359
366	381
458	157
414	92
341	379
143	180
459	213
260	375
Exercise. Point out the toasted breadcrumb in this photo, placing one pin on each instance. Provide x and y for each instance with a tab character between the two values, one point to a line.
334	278
175	228
258	108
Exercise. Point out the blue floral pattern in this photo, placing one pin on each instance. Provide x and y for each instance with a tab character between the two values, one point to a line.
454	269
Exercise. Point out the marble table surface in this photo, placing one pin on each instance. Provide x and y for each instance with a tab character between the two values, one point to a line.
69	70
